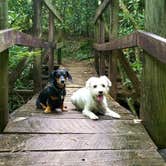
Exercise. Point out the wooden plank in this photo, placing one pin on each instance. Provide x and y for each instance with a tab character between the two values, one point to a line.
155	45
80	158
113	33
37	32
4	59
51	125
55	142
7	39
65	115
29	109
30	41
59	45
51	38
53	10
10	37
101	9
125	42
101	54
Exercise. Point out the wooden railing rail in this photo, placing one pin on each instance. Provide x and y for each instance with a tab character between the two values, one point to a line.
151	43
10	37
101	9
53	10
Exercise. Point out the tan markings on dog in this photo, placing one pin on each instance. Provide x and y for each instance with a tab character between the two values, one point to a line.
64	108
54	97
47	110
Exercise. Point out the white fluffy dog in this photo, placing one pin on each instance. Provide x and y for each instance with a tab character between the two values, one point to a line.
91	98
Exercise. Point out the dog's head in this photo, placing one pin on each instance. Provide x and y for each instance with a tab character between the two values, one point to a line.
60	76
99	86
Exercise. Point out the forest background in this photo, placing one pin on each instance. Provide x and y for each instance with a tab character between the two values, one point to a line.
77	31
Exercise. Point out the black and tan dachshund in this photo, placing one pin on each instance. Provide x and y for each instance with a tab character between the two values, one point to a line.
52	97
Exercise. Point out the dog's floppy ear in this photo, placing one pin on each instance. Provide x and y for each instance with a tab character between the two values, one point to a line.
69	76
107	80
88	82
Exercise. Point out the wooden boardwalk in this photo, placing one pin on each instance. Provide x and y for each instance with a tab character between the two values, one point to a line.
70	139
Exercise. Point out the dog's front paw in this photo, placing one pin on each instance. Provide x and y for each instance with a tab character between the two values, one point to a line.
90	114
112	114
47	110
94	117
64	109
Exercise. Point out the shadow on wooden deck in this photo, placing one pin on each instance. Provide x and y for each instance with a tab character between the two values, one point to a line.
34	138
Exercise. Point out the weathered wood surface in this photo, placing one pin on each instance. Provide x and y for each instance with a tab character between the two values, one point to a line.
34	138
4	58
10	37
82	158
125	42
153	44
53	10
130	73
101	9
153	87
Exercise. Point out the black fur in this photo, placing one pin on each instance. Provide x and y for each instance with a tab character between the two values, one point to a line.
54	90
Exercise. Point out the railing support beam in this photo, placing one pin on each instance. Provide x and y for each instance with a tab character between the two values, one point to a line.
37	32
4	113
114	23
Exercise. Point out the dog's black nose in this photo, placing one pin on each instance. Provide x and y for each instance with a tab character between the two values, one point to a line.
62	81
100	92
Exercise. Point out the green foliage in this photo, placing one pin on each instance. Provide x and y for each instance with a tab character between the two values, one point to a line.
16	53
131	18
20	14
77	16
78	50
15	101
136	15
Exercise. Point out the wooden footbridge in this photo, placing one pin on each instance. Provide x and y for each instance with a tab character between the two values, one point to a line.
30	137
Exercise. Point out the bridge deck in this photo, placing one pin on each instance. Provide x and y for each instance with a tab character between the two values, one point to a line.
70	139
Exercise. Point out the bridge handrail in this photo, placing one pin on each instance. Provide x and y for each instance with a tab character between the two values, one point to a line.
10	37
153	44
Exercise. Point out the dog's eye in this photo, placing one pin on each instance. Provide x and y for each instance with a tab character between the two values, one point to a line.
94	86
57	76
103	85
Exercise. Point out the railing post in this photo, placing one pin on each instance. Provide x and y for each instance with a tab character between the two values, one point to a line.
153	97
4	113
101	40
112	67
96	54
51	39
59	56
37	32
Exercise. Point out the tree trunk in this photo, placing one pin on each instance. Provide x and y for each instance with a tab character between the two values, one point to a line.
4	113
153	108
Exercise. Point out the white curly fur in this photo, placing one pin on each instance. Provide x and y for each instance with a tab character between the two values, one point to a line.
91	98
